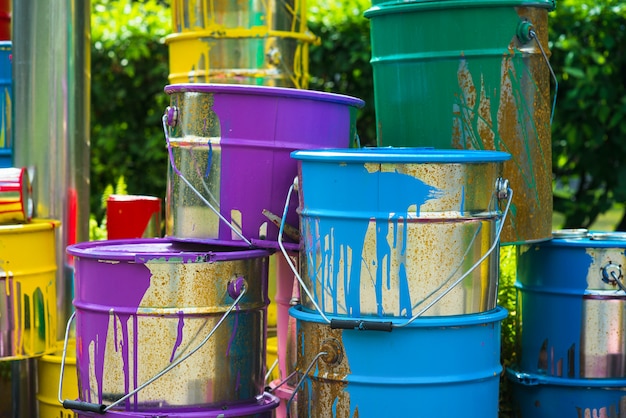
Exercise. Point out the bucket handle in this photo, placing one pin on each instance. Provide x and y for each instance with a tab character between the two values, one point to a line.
525	33
304	376
503	191
236	289
170	118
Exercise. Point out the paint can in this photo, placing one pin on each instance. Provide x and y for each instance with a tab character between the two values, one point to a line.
400	232
6	98
28	289
133	216
262	43
144	305
468	74
575	280
48	369
419	367
542	396
262	407
16	203
229	151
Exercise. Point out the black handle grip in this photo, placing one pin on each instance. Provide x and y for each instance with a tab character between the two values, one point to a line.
361	325
84	406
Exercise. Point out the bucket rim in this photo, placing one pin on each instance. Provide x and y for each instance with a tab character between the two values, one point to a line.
264	403
482	318
36	224
534	379
594	239
400	155
391	7
142	250
244	89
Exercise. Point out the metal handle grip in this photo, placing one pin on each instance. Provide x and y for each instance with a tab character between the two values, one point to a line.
361	325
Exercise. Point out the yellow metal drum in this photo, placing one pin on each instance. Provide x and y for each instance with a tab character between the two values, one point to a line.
261	43
27	289
48	372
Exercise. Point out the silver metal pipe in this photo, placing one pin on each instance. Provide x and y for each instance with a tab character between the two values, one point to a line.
51	67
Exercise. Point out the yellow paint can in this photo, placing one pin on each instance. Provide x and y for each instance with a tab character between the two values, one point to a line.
27	289
48	372
258	43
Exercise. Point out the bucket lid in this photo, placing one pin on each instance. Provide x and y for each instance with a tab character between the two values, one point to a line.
401	155
143	250
576	233
250	90
443	5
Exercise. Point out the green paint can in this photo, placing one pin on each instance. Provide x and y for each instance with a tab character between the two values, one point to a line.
467	74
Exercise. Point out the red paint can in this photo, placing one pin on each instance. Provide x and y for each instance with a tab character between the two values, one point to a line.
133	216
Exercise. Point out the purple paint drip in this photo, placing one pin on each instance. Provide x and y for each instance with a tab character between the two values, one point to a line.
179	334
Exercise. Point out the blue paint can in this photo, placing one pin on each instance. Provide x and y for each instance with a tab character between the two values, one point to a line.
571	337
6	96
386	231
541	396
572	306
434	367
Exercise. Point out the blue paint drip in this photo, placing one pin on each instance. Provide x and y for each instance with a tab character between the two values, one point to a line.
336	221
209	160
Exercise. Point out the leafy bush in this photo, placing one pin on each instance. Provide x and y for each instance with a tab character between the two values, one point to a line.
129	68
589	57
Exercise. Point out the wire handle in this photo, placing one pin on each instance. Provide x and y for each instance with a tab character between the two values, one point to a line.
239	288
525	33
169	118
304	376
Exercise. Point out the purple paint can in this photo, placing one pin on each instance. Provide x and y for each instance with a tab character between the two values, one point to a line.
231	143
262	407
143	304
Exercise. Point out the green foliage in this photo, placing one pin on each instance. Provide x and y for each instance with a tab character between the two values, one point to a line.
340	63
129	68
507	299
589	56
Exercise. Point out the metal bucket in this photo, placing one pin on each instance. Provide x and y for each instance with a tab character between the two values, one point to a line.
6	96
572	306
262	407
386	231
48	369
142	305
540	396
439	367
28	289
231	144
258	43
468	74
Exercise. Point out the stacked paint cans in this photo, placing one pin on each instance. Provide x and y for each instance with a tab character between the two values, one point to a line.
28	267
400	267
177	325
571	338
